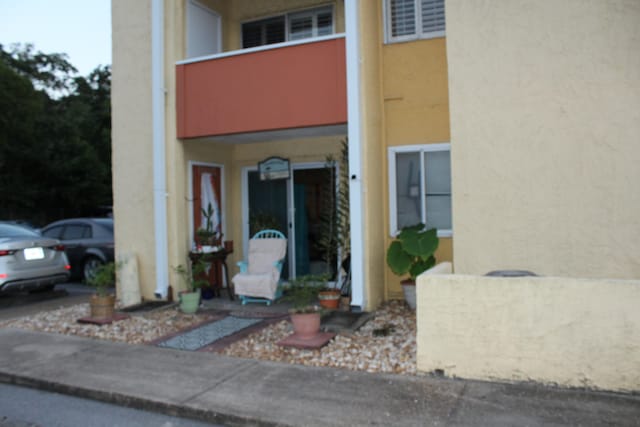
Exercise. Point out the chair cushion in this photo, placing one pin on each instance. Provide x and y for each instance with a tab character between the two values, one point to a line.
264	253
257	285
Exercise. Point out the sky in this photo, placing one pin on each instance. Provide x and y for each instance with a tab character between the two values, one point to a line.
79	28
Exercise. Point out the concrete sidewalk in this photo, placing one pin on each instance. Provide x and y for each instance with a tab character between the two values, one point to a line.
234	391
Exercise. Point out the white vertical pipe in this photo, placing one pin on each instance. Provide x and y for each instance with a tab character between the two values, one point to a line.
159	162
354	126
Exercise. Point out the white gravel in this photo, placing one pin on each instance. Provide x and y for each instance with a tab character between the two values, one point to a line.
361	351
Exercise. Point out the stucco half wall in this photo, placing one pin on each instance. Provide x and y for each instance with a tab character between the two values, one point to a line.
564	331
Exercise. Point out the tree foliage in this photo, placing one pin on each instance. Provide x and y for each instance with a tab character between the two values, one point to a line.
55	137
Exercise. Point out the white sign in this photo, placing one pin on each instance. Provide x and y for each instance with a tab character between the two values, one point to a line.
274	168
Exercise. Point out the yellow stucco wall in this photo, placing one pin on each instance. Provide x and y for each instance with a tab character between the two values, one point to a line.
416	111
416	92
545	124
132	136
560	331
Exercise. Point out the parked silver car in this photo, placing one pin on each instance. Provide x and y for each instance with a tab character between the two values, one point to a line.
29	261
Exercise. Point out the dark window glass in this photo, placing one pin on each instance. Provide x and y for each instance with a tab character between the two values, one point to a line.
264	31
53	232
76	231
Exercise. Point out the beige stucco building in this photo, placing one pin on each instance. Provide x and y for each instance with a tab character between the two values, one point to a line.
510	126
545	120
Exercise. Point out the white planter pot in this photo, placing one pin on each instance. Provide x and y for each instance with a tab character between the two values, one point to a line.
410	295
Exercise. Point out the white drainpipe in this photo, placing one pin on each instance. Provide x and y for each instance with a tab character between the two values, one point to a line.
358	297
159	163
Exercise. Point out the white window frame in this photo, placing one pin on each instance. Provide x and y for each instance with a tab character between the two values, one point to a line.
393	208
418	35
310	10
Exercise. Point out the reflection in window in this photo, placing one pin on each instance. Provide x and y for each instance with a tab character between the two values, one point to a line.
292	26
421	182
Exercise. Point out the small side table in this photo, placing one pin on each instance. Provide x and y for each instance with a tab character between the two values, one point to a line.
217	260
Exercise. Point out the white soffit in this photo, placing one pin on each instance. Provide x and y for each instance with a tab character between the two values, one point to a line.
278	135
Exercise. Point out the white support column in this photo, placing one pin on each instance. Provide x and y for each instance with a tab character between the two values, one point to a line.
358	297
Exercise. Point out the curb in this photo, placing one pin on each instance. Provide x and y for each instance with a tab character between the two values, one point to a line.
135	402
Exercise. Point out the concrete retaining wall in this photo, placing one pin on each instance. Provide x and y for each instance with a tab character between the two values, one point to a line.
565	331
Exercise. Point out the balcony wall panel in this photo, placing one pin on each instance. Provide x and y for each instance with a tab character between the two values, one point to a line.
287	87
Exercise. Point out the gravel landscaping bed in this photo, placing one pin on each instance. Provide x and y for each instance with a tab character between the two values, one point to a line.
387	343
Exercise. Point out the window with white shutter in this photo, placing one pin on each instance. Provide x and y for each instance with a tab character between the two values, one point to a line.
414	19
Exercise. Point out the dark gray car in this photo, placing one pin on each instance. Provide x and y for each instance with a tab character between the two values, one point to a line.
88	243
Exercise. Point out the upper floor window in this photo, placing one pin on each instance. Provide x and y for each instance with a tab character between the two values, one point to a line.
414	19
291	26
420	187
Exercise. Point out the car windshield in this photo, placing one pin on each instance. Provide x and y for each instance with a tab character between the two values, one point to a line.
8	230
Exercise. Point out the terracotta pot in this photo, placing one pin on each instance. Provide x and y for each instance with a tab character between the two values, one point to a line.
329	299
102	307
306	325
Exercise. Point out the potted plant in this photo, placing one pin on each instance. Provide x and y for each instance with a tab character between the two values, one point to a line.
206	237
412	252
190	297
334	231
305	315
102	303
328	296
260	220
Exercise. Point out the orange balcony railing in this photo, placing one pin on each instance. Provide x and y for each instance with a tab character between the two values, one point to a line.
293	85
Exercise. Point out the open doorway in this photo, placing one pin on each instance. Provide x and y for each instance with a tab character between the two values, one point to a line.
296	207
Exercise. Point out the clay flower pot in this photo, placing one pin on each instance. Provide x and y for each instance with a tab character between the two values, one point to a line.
306	325
329	299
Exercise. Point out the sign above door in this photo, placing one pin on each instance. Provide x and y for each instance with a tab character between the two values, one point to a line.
274	168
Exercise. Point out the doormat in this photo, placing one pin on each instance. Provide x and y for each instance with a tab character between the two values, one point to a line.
207	334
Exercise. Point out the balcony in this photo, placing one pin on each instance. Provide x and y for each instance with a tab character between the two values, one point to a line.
285	86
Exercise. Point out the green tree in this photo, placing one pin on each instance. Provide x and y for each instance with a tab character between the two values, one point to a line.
55	131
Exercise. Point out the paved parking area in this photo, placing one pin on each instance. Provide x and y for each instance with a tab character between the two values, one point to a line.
25	304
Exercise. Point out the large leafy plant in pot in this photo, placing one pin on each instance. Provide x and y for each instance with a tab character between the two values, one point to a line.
412	252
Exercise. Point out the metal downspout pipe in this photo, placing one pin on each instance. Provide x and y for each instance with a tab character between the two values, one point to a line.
159	161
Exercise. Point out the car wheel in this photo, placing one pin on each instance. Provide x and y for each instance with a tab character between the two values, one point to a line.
89	267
